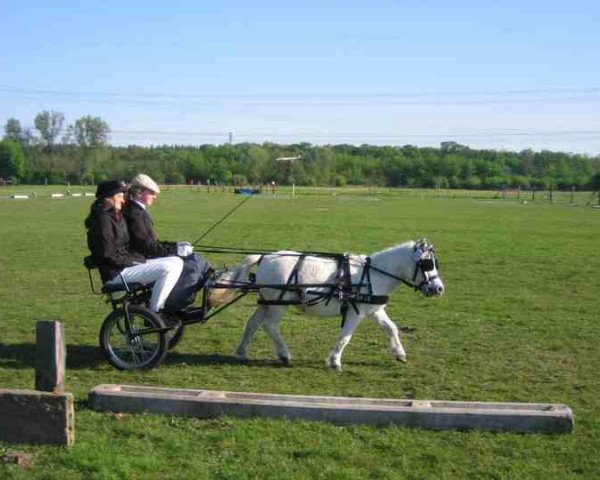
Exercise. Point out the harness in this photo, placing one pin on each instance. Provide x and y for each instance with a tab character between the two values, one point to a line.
349	294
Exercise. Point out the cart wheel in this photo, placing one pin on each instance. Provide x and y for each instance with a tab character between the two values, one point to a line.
132	351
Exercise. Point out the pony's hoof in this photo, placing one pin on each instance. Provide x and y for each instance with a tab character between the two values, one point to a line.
284	360
242	357
399	356
336	367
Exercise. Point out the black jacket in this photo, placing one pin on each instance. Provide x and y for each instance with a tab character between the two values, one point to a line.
108	240
142	236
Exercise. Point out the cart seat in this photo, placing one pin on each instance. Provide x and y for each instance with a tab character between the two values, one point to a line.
117	285
113	285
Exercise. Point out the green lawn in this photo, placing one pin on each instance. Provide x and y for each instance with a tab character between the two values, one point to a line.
518	322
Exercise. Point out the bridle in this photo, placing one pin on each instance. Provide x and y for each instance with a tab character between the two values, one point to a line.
422	264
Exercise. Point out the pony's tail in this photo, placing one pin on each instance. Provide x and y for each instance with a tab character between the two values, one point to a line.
235	276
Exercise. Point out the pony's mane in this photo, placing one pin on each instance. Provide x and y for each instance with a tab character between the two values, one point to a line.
409	244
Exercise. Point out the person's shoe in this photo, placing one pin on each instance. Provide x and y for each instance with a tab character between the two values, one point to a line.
194	313
171	319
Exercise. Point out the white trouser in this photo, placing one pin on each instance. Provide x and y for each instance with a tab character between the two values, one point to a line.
164	272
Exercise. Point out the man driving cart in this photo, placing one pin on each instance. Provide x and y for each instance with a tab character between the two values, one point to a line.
143	192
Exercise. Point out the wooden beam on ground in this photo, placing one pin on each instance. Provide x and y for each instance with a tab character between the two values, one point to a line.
427	414
28	416
50	356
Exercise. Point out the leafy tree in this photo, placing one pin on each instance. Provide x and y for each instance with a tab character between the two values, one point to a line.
454	182
88	157
239	180
12	160
452	147
89	132
258	160
49	125
340	181
13	130
519	181
473	182
22	135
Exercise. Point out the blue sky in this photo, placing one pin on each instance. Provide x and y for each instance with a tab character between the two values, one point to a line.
489	74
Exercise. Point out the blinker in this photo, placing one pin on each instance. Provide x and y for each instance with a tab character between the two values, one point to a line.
427	264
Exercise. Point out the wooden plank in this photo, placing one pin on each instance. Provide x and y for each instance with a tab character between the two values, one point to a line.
427	414
28	416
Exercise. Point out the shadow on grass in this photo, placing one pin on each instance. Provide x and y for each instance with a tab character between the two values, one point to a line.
22	355
205	359
80	357
84	356
17	355
174	357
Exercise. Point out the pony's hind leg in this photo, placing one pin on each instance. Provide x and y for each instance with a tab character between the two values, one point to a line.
381	318
252	325
271	325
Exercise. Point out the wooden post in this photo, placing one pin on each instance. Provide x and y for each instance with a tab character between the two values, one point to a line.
50	357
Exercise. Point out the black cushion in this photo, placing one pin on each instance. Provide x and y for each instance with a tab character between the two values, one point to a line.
117	285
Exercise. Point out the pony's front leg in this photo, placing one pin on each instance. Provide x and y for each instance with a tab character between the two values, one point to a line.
334	360
381	318
252	325
271	325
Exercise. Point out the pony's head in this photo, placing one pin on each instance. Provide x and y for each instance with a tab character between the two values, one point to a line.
426	277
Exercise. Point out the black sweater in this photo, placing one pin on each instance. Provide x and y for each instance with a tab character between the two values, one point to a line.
142	236
108	240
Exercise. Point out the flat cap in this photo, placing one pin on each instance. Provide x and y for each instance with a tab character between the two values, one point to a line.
144	181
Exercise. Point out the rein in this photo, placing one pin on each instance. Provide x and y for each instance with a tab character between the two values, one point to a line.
413	285
223	218
256	251
400	279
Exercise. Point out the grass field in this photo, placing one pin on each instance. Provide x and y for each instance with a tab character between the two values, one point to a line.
519	322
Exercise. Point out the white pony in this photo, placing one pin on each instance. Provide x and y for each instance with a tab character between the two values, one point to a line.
322	285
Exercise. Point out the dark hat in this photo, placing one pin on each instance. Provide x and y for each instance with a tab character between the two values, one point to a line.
110	188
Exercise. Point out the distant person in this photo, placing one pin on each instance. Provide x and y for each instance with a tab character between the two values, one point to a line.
143	192
108	241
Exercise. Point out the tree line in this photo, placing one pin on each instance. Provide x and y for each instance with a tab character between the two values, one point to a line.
53	152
